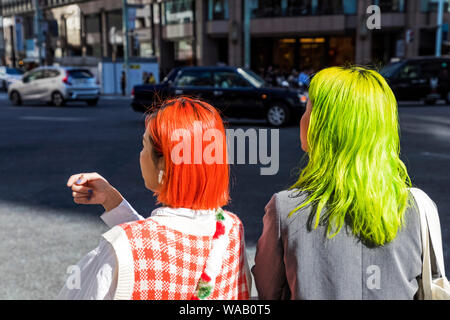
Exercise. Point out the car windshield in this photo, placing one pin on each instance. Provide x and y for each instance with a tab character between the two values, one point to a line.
252	77
14	71
80	74
389	70
171	75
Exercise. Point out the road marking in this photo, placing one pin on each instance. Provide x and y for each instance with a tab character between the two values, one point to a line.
436	155
40	118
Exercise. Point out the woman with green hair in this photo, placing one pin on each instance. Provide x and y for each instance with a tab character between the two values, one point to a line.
348	228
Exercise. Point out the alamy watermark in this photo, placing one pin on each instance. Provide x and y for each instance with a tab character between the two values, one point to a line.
373	281
189	148
73	280
373	14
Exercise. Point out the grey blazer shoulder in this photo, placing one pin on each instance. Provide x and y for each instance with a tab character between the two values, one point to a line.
343	267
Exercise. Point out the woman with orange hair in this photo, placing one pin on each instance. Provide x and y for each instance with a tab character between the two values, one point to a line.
190	248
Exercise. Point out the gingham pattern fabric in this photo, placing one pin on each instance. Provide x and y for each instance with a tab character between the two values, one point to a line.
169	263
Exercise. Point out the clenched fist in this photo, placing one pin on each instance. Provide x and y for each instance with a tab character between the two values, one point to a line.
92	188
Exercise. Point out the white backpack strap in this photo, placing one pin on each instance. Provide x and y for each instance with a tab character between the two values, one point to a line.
430	229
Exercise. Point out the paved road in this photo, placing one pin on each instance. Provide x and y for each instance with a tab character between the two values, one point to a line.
43	231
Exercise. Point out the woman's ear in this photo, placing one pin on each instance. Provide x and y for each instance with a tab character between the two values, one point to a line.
161	163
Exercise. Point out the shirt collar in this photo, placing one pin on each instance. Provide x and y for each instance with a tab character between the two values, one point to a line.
181	212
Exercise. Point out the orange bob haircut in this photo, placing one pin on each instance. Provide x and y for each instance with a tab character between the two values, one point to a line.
193	184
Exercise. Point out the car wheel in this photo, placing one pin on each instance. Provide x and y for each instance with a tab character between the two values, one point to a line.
15	98
57	99
92	102
278	114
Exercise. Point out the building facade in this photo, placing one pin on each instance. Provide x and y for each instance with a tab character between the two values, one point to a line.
286	34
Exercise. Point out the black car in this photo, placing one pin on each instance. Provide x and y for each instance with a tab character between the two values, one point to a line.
425	78
236	92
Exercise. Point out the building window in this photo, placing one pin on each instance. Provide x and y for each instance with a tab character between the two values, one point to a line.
350	7
432	5
92	23
218	10
391	5
265	8
114	19
183	51
179	11
291	8
28	28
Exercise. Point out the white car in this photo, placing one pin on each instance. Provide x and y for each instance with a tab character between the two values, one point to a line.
8	76
55	85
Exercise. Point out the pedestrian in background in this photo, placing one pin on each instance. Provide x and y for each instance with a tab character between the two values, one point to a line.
144	77
349	228
190	248
151	78
304	78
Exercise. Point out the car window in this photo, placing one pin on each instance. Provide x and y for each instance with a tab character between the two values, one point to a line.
80	74
35	75
391	69
409	71
51	73
252	77
430	69
229	79
172	75
194	78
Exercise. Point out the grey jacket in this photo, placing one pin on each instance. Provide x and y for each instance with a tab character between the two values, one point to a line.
292	262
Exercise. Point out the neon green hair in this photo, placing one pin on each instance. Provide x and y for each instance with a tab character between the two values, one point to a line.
354	168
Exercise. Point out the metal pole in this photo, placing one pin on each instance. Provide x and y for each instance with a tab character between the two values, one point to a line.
152	24
440	17
37	29
125	43
2	38
247	36
194	26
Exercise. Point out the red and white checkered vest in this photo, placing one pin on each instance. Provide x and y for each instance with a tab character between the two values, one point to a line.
168	263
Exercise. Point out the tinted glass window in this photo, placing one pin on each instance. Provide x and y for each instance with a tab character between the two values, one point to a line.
391	69
80	74
51	73
191	78
409	71
430	69
36	75
172	75
252	77
227	79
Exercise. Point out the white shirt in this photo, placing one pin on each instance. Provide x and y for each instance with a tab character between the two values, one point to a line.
98	272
